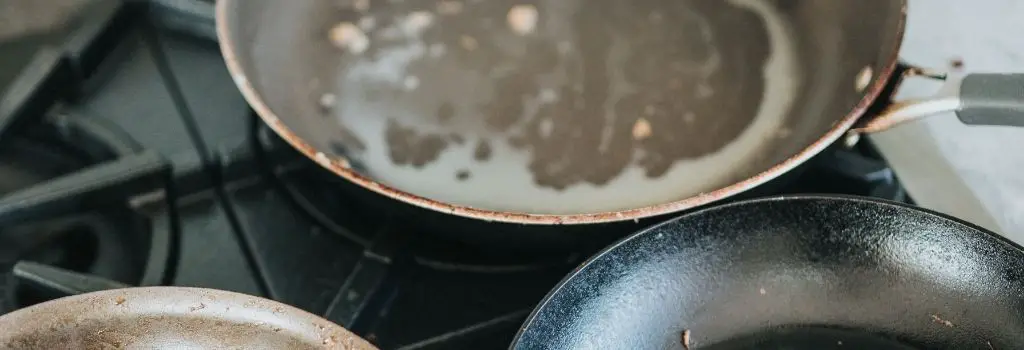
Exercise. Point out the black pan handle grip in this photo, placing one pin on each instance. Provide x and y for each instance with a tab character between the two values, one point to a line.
992	99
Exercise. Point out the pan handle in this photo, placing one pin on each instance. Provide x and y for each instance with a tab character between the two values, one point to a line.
977	99
992	99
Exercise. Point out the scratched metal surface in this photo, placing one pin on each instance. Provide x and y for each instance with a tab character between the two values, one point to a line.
976	173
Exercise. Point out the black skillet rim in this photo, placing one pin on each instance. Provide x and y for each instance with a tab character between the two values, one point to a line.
800	197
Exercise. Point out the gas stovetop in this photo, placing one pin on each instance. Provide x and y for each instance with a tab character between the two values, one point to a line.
127	157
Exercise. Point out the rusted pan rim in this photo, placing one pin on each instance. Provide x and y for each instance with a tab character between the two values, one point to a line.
170	318
341	168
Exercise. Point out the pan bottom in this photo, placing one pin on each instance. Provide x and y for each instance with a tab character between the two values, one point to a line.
811	338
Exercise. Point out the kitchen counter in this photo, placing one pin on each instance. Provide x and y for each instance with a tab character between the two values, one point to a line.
975	173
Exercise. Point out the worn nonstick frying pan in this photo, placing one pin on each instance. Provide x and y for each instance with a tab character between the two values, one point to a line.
570	112
802	272
170	318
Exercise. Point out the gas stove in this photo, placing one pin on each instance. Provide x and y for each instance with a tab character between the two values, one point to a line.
128	157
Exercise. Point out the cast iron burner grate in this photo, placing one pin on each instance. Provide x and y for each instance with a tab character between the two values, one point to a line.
72	215
72	230
70	226
299	239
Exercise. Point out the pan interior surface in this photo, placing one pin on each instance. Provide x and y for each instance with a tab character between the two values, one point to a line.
170	318
559	106
850	270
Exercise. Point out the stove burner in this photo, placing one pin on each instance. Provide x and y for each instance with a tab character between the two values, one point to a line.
315	191
45	220
86	243
287	228
310	188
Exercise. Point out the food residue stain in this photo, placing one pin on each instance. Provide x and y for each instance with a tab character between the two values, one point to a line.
467	42
445	112
462	175
941	321
483	151
417	22
327	101
522	19
686	339
408	147
956	63
864	78
349	37
411	82
641	129
456	139
689	118
548	96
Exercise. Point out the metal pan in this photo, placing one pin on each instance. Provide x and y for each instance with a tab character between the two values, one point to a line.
170	318
808	272
566	112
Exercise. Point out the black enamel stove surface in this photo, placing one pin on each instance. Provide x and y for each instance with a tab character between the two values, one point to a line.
127	157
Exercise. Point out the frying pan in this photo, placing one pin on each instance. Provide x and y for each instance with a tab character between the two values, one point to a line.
803	272
566	112
170	318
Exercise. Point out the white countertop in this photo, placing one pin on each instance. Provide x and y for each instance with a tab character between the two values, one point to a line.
975	173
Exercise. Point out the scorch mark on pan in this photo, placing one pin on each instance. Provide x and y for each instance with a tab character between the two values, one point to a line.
555	135
522	19
349	37
939	320
864	78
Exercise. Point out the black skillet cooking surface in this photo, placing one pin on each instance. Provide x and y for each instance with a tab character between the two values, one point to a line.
792	273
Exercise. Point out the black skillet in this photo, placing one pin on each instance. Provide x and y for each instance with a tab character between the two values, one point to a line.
807	272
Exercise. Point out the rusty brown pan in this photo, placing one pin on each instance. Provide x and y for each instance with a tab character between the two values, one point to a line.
571	112
170	318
